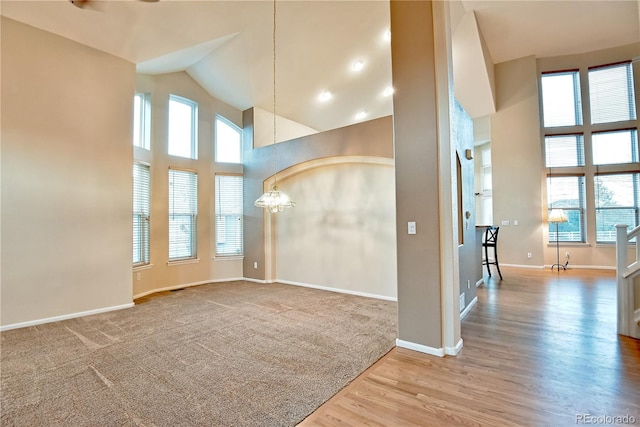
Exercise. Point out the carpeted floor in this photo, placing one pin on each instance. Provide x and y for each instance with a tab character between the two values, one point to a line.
230	354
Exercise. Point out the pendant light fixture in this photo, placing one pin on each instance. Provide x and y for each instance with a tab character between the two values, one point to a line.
274	200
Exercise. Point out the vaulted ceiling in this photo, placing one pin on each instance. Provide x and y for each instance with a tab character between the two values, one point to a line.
226	46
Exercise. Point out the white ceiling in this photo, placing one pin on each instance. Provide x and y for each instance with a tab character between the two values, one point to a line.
226	46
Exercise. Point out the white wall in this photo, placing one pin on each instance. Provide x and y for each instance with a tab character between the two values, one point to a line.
66	176
341	234
285	129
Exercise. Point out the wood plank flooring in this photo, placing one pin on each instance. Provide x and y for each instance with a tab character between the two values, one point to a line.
540	349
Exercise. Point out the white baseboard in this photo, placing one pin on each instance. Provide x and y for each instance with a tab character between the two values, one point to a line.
65	317
479	282
535	267
342	291
421	348
186	285
468	308
453	351
249	279
583	267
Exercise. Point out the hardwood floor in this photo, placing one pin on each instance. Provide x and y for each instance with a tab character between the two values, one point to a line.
540	349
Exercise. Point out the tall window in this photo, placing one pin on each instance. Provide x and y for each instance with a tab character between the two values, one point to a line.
183	130
183	214
141	202
228	200
141	120
610	136
228	141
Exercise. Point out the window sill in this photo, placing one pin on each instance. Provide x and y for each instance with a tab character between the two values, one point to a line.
183	261
228	258
570	244
142	267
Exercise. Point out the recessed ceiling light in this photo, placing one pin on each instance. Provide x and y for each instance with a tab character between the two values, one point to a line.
387	35
388	91
361	115
325	96
357	65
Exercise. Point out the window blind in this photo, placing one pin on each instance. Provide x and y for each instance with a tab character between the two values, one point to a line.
141	211
561	102
611	93
183	214
564	150
229	212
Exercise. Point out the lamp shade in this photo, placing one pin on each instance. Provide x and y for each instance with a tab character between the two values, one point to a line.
557	215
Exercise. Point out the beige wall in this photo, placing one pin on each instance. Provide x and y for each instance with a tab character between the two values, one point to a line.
370	139
516	160
341	235
161	274
66	176
519	187
425	180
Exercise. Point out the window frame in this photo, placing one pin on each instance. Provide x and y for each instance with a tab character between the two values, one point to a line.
635	176
590	169
144	218
193	147
221	119
143	117
580	209
237	216
191	215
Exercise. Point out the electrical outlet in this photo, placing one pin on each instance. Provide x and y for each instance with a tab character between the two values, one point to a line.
137	276
255	264
567	255
529	255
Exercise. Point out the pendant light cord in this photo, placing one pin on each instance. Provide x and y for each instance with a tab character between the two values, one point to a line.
275	147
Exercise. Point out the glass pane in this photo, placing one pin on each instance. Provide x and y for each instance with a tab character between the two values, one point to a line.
611	93
561	104
607	218
570	231
181	132
567	193
228	142
615	190
137	121
564	150
615	147
181	233
616	203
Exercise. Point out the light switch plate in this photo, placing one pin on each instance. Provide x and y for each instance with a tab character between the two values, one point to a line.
411	227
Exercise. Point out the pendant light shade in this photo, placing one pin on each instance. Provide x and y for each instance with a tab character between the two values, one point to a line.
274	200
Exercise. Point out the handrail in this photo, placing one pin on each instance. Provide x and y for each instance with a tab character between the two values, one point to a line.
627	323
